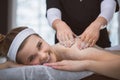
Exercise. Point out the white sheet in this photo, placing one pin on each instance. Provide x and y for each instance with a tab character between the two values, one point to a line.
40	73
114	48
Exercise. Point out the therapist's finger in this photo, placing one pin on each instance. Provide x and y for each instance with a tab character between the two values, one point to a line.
89	43
66	40
80	44
82	37
69	41
60	38
93	43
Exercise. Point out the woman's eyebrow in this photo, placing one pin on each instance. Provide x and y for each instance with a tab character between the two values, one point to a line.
38	44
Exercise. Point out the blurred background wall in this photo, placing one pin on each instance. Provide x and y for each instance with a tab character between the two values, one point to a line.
3	16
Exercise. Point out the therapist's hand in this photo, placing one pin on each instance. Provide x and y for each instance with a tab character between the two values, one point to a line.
64	34
69	65
90	36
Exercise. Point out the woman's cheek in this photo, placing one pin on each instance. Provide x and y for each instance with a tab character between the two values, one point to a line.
35	62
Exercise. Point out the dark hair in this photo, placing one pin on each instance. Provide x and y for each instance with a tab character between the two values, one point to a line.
5	41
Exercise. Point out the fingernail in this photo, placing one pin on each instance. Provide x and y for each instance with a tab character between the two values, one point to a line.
79	47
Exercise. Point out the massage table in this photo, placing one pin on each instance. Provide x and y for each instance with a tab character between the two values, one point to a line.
40	72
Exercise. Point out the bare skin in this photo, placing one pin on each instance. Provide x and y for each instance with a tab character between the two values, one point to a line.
9	64
91	59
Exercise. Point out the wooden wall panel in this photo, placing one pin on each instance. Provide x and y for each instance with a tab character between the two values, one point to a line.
3	16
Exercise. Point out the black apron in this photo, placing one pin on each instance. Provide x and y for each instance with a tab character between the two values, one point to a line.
79	15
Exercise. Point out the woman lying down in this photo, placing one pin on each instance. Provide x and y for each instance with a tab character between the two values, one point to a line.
24	46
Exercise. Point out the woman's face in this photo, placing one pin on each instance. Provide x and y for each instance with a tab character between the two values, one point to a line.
36	52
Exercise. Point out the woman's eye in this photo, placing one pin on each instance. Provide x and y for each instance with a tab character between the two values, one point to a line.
39	45
31	58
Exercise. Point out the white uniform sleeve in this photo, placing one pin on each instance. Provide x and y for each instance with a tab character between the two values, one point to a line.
108	9
53	14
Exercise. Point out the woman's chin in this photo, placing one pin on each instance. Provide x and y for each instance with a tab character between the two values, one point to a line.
52	58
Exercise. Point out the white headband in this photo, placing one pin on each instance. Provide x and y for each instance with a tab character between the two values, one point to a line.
20	37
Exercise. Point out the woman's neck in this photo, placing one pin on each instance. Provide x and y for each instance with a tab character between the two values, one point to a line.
60	52
66	53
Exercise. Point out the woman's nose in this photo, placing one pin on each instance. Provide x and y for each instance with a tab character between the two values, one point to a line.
43	57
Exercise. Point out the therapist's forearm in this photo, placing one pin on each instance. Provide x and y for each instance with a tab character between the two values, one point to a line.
101	22
58	24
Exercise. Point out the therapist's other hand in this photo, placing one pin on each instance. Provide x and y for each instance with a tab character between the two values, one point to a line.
64	34
69	65
90	36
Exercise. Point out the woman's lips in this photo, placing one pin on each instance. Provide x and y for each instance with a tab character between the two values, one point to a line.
48	60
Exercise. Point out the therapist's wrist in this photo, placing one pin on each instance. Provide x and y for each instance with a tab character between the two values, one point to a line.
57	24
101	22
